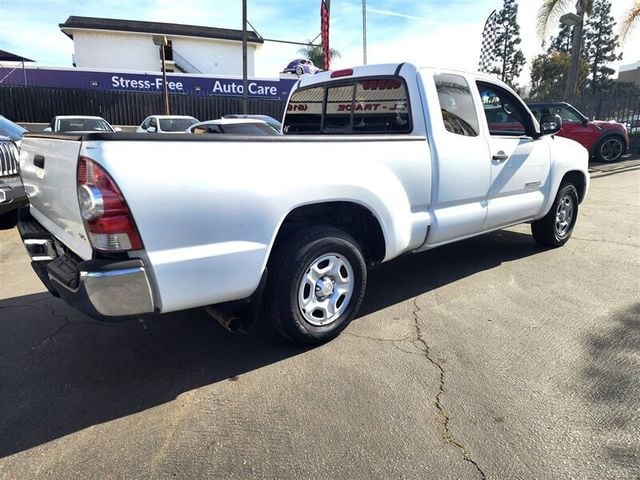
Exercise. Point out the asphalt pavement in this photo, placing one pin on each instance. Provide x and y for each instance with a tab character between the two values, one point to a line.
489	358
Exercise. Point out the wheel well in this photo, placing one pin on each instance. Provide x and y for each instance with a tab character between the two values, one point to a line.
578	180
354	219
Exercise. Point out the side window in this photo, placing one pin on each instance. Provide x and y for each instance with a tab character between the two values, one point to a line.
145	124
503	111
304	111
153	122
456	105
567	115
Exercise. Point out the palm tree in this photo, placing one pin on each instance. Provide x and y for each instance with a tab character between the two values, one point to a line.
548	14
633	15
314	53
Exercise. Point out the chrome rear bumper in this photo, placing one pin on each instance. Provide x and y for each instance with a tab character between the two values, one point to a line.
103	289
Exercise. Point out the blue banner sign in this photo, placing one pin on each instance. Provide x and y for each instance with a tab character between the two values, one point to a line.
275	89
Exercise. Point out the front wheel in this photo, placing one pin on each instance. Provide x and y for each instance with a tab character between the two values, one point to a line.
317	281
556	227
610	150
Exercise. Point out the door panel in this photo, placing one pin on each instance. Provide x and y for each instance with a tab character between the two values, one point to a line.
461	171
519	163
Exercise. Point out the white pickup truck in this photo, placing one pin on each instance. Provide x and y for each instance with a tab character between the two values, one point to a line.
375	162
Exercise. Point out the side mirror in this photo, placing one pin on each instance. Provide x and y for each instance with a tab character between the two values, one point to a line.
117	129
550	124
152	129
48	129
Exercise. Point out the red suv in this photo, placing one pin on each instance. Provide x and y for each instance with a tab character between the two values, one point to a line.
606	141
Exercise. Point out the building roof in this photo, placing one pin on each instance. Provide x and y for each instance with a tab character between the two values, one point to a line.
12	57
157	28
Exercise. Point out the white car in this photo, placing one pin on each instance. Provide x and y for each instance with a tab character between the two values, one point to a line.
166	124
79	123
234	126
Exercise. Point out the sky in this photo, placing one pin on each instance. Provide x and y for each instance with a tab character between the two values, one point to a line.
439	33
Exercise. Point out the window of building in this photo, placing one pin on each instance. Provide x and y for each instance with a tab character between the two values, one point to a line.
456	105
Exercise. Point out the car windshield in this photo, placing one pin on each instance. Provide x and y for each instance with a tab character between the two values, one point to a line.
176	124
10	129
84	125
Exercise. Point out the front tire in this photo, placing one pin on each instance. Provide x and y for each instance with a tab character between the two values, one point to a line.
556	227
317	281
610	150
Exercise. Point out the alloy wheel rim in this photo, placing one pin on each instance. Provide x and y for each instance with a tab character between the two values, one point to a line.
564	216
325	289
611	149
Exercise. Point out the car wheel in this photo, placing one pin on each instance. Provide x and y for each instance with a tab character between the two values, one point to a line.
299	70
556	227
317	280
610	149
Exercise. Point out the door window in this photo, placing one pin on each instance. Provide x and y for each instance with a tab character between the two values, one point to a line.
504	112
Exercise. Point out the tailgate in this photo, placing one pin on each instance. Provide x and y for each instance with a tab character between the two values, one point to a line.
48	166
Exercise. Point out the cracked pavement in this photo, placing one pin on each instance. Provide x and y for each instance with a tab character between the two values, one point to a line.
491	358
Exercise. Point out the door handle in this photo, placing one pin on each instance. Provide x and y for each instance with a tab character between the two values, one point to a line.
500	156
38	161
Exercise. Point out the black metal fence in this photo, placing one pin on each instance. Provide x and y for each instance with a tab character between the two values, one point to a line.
40	104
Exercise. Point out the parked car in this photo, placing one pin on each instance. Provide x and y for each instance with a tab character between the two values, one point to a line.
12	194
276	124
632	123
78	124
300	66
141	225
166	124
605	141
11	130
234	126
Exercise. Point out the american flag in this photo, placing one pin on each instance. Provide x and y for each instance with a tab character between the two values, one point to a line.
488	43
324	32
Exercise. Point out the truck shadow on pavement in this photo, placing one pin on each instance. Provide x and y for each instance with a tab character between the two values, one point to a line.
61	372
610	375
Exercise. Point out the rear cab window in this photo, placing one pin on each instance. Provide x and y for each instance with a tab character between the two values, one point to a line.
369	105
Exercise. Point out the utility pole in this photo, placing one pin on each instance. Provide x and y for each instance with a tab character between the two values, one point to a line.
364	31
245	82
161	41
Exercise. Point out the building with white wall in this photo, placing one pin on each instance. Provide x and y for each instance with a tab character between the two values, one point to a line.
129	45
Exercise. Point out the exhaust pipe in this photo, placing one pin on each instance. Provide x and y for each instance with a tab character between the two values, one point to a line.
227	320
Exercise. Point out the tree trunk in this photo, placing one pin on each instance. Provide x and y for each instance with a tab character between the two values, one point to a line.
576	52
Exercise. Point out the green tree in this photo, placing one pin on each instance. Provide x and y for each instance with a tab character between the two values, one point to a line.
547	15
508	56
562	43
600	44
314	53
548	74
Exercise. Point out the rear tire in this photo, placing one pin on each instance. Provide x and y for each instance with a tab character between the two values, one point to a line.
556	227
317	280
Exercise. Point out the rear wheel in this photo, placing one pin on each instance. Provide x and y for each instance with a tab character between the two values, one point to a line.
317	280
556	227
610	149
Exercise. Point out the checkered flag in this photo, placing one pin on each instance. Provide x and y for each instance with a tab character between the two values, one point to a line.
488	43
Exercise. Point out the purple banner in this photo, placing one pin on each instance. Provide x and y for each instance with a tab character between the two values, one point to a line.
277	89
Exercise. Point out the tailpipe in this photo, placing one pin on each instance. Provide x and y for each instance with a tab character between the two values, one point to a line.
227	320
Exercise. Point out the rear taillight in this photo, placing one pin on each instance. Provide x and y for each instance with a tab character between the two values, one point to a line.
105	213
